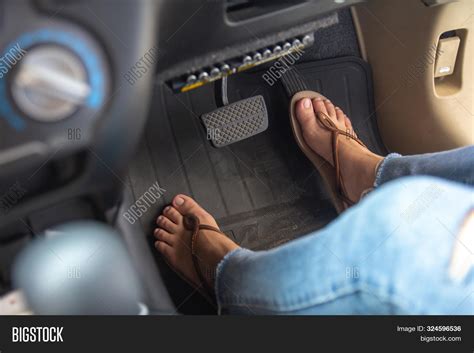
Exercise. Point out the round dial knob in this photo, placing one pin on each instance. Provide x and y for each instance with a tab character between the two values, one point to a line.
50	84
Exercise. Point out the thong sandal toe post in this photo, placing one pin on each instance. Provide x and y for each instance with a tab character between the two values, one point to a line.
331	175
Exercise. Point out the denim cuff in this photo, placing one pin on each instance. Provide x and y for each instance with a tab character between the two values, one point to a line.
382	166
220	270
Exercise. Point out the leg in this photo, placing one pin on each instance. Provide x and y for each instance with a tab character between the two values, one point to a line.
173	241
361	169
456	165
356	163
390	254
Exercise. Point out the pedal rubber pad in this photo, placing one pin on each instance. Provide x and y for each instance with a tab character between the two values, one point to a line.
236	121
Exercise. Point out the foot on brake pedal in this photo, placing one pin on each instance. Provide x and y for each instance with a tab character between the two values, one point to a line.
236	121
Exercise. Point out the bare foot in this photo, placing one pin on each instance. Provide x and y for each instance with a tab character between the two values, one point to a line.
357	163
174	240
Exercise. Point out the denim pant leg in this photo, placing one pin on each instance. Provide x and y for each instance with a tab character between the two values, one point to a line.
456	165
390	254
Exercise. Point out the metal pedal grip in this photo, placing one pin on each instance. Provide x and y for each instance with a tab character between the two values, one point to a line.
236	121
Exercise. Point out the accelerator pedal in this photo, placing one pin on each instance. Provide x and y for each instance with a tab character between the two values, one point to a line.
235	121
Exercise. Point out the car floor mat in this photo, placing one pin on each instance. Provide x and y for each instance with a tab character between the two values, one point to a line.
262	191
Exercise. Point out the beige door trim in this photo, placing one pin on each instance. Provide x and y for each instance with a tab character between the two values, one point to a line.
399	40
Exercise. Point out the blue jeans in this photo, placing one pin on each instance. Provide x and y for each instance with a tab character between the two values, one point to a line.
389	254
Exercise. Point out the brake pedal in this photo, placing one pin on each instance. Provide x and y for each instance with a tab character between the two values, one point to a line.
236	121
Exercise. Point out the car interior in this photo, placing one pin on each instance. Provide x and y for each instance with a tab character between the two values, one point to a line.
113	99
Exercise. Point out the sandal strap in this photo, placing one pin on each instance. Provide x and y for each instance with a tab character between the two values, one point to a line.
329	125
192	223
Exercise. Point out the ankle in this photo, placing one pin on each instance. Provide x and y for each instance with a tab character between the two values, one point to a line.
358	169
367	173
212	247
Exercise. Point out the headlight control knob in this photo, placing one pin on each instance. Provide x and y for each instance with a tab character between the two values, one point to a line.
50	83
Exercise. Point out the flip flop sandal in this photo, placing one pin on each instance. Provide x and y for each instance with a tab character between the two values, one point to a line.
192	223
331	175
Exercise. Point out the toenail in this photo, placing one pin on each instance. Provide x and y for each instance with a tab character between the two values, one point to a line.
160	218
179	201
307	103
167	208
318	99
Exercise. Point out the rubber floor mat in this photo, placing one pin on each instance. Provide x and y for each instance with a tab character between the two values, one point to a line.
262	190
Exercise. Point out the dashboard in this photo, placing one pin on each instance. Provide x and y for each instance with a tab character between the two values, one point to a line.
73	108
67	116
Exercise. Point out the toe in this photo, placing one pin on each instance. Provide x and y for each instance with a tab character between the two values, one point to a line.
186	205
164	236
166	224
340	115
172	214
348	123
330	109
305	115
349	126
319	106
165	249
